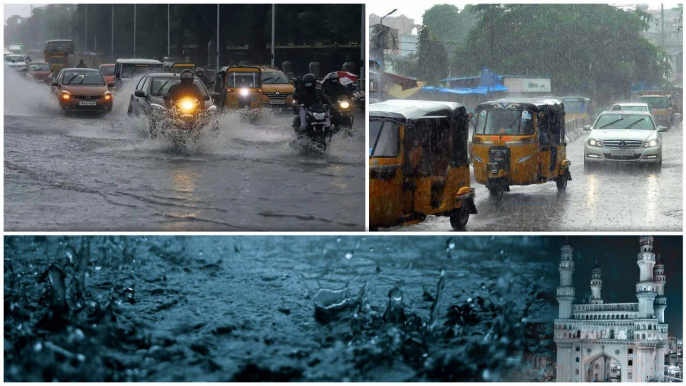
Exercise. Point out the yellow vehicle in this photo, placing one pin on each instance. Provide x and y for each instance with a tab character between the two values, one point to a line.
239	87
520	142
418	163
59	54
661	106
277	90
176	68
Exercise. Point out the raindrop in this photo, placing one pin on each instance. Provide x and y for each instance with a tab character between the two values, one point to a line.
349	255
338	240
371	249
37	347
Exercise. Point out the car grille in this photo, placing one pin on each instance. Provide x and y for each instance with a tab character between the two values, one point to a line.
623	157
282	95
617	144
84	97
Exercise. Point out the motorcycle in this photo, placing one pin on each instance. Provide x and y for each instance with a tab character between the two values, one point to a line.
317	133
183	121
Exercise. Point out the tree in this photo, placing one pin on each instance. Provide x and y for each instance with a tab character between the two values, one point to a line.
450	25
432	58
582	47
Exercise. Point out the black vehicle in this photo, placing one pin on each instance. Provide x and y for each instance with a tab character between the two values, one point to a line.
180	117
317	133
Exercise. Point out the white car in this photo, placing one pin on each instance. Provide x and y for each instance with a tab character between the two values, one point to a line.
624	136
631	107
15	61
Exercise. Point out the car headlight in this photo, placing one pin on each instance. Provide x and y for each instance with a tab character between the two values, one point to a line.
244	92
344	104
651	143
66	95
593	142
107	96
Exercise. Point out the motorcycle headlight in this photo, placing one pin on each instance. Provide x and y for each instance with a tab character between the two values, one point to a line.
319	116
344	104
187	106
651	143
593	142
245	92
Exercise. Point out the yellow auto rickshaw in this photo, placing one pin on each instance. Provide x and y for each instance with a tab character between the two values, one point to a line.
520	142
418	163
177	68
240	87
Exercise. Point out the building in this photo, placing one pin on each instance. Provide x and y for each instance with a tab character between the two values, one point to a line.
601	341
672	41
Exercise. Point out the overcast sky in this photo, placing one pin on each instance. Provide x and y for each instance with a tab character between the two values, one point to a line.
415	9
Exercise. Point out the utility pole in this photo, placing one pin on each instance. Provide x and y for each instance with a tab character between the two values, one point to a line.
492	36
134	30
381	51
662	26
362	41
168	26
85	31
112	35
217	45
273	30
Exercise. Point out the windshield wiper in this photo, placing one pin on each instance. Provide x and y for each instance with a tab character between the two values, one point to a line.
515	121
72	78
611	123
161	87
634	124
378	137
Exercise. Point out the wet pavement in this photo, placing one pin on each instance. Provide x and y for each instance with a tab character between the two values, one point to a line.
608	198
243	308
86	173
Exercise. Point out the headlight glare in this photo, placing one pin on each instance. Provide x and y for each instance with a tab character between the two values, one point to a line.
244	92
651	143
344	104
593	142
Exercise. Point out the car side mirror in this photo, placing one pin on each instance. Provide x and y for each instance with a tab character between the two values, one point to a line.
587	128
139	93
661	128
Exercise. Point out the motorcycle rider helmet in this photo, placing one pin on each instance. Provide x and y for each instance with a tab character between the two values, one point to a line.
199	72
186	76
309	81
333	78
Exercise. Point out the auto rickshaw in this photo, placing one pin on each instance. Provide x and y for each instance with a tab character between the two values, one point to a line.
240	87
520	142
176	68
418	163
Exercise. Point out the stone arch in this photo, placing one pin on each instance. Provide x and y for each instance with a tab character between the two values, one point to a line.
587	362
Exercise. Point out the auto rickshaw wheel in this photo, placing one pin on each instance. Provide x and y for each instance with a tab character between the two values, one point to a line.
459	217
561	182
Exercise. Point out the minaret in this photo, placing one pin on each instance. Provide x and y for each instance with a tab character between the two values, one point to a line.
596	284
565	292
660	281
646	289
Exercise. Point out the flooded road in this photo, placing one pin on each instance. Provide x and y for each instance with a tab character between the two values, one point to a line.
606	198
242	308
104	173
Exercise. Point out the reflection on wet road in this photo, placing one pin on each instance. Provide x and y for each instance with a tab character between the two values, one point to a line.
611	198
104	173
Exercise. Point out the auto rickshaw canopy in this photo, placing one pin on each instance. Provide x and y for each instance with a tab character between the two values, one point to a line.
405	110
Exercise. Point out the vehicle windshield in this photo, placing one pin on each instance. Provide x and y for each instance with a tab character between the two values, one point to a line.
624	121
64	45
628	108
129	70
89	78
179	69
14	58
107	71
383	139
505	122
243	79
39	67
160	86
274	77
574	105
655	102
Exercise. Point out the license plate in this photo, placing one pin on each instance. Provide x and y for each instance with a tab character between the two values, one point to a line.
86	103
622	153
277	102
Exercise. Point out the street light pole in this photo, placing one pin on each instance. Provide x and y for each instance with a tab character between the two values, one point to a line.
362	41
112	35
134	30
381	50
85	31
273	30
217	45
168	24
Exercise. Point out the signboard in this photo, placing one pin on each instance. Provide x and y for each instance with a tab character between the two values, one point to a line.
527	84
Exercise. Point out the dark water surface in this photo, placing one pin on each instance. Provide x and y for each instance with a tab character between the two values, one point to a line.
243	308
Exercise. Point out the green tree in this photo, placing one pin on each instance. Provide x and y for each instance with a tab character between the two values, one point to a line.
449	24
432	58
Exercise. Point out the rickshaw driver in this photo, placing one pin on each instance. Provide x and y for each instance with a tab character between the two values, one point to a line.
185	88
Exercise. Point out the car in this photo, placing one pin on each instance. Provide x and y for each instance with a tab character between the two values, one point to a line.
107	72
630	107
38	71
277	90
16	61
151	89
82	89
624	137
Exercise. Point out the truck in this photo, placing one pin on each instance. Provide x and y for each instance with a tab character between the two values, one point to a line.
59	54
661	105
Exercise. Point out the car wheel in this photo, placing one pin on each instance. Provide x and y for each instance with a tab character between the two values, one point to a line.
459	217
561	182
